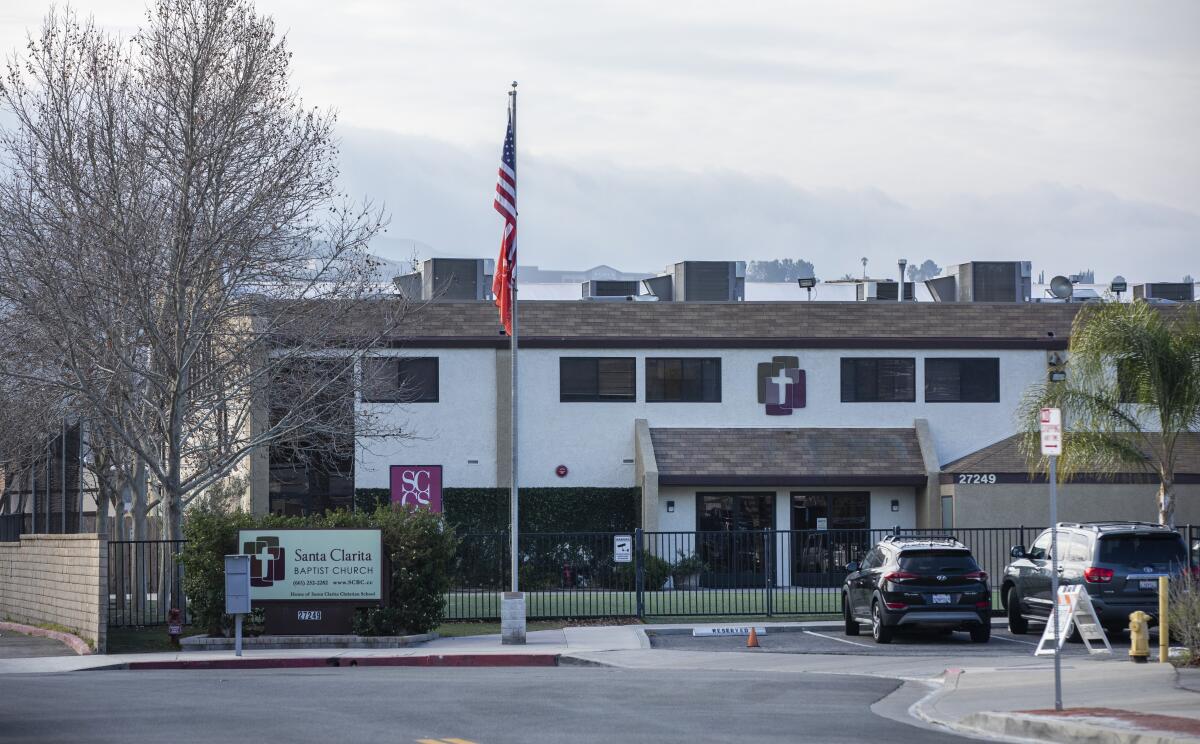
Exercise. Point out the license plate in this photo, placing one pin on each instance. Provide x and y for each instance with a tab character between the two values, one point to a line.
1148	585
941	599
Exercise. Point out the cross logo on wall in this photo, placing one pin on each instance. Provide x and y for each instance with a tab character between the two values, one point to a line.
781	385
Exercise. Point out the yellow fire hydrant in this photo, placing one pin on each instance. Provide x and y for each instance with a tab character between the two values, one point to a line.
1139	637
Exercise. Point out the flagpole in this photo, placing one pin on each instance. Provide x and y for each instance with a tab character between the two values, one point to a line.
514	501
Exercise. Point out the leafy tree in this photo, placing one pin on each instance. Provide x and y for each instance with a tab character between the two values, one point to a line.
1132	389
927	270
779	270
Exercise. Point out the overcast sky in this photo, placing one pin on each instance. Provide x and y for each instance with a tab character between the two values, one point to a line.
1060	132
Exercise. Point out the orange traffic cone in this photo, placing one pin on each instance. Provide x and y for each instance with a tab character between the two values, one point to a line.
752	640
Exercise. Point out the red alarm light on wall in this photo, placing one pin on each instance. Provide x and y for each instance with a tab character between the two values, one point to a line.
561	471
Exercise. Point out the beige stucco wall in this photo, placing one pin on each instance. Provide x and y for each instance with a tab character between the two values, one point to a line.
60	579
1010	505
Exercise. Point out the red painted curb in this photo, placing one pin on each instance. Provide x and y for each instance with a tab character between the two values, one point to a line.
75	643
456	660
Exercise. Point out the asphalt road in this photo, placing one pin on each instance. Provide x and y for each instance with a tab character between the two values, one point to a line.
481	706
905	643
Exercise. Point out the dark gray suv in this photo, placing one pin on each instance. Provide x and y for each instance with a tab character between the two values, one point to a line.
1118	562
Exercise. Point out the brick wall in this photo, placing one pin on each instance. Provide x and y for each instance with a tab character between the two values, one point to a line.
61	579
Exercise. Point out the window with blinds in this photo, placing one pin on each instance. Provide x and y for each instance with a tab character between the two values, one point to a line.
878	380
596	379
683	380
962	380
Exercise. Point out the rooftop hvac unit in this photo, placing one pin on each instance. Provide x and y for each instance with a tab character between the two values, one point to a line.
943	288
408	286
1173	291
662	287
883	291
455	279
609	288
709	281
983	281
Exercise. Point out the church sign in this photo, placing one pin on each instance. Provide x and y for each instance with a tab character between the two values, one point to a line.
314	565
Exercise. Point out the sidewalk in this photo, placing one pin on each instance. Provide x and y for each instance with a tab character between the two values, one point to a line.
543	646
1111	700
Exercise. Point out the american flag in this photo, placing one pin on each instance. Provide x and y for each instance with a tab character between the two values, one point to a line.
506	204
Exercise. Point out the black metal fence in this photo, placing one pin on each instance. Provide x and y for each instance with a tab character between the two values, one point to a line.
144	582
576	574
682	574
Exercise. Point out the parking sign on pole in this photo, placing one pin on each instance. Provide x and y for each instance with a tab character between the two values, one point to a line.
1050	421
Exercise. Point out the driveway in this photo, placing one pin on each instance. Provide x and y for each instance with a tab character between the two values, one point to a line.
17	646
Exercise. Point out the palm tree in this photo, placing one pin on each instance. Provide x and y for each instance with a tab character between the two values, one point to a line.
1132	388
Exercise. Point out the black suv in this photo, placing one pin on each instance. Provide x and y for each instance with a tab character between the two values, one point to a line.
1118	562
907	581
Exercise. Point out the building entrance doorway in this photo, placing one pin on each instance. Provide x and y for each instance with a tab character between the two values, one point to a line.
830	529
733	540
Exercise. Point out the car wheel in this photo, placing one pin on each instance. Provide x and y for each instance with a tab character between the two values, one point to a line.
1074	636
1017	625
880	632
981	633
1115	631
851	624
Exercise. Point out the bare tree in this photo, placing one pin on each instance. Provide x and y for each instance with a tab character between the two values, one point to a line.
171	236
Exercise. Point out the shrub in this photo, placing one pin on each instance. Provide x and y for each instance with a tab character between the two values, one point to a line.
1183	614
555	509
656	571
418	545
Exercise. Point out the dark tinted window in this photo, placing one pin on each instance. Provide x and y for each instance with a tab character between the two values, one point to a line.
934	562
878	380
1130	385
583	379
400	380
683	380
962	380
1137	550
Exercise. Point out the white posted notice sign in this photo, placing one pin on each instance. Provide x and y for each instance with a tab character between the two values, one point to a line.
1050	420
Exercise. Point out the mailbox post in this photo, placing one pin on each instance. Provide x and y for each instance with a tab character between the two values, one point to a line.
237	593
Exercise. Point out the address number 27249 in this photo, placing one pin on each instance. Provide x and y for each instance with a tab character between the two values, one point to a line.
980	478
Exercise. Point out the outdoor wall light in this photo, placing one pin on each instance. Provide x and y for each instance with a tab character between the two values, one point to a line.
670	507
895	504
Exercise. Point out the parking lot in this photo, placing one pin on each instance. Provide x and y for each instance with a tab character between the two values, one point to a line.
831	640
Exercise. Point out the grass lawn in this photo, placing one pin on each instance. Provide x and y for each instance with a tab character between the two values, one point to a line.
143	640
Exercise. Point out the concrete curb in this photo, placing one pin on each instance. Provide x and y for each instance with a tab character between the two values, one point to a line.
447	660
268	643
1044	728
75	643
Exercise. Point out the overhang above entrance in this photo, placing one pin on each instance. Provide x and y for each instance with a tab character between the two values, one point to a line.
778	456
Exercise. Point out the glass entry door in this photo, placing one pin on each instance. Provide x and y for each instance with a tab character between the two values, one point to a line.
732	542
829	531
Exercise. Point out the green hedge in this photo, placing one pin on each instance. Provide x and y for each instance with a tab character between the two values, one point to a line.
473	510
419	545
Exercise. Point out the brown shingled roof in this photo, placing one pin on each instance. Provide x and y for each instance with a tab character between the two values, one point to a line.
748	324
1005	457
780	456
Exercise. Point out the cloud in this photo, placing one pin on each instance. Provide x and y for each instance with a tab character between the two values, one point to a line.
575	215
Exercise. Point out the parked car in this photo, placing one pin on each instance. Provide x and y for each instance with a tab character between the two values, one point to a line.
1118	562
917	581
